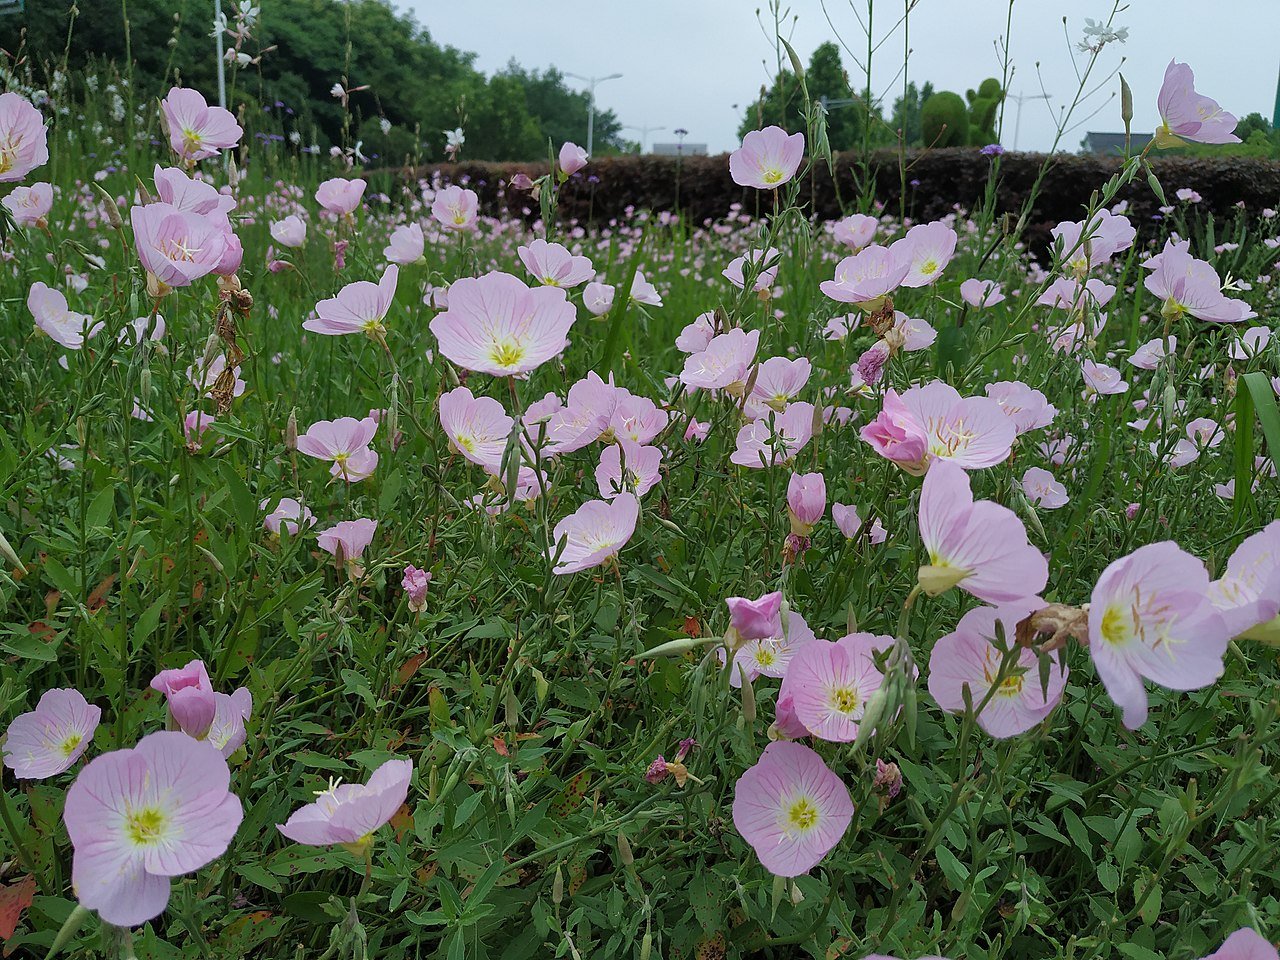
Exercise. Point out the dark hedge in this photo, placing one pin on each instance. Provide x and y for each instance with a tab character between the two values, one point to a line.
700	187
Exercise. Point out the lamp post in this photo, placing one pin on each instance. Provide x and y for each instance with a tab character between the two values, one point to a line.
645	130
591	83
222	63
1017	114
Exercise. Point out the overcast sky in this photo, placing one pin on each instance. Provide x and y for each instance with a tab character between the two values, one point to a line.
687	63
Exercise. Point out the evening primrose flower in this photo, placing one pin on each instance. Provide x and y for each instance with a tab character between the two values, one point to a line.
572	158
791	808
405	245
344	442
553	265
197	130
53	317
594	533
477	427
139	817
349	814
359	307
23	140
456	208
341	196
830	684
46	741
767	159
1186	115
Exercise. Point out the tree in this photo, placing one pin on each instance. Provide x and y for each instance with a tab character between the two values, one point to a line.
906	113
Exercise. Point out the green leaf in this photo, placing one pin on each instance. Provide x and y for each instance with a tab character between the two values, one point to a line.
259	877
956	872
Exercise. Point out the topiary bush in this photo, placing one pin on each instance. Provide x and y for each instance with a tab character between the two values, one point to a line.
944	120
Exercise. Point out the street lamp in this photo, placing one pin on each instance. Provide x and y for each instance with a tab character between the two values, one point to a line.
1017	114
645	130
591	103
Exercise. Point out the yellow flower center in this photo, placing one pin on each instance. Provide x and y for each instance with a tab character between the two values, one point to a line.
928	267
765	658
68	746
507	354
844	699
1116	626
145	827
772	175
1011	686
802	815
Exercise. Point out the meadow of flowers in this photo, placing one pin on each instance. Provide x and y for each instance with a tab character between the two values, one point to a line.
386	580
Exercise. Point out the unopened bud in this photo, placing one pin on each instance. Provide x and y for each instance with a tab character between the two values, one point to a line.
291	431
557	887
748	697
1126	102
625	856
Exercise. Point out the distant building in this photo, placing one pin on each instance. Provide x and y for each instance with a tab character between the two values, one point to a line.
1112	144
678	149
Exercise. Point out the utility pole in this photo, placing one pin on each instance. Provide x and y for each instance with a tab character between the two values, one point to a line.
222	63
645	130
591	83
1017	114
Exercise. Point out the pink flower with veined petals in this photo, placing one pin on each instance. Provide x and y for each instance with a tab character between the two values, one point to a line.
1102	379
627	467
1248	593
1151	616
776	438
290	232
456	208
855	231
30	206
697	336
495	324
232	710
978	546
1191	286
46	741
642	291
764	262
926	249
182	192
847	519
1245	944
981	293
141	816
933	422
1070	294
197	130
1108	235
341	196
359	307
779	380
349	814
1187	115
582	420
289	514
415	583
724	364
554	266
348	539
806	501
594	533
791	808
767	159
1043	489
477	427
1025	406
969	656
598	298
754	619
189	696
52	316
572	158
344	442
829	685
177	247
1149	355
1250	344
768	656
867	277
406	244
23	141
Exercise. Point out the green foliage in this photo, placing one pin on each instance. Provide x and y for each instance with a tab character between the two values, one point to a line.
983	108
944	120
906	113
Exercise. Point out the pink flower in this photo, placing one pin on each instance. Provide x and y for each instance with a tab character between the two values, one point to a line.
1071	294
349	814
23	141
46	741
627	467
477	427
189	696
806	501
768	656
138	817
724	363
340	196
934	422
572	158
791	808
344	442
181	191
415	584
177	247
969	657
1187	115
855	231
289	514
779	380
1245	944
49	308
597	298
642	291
830	685
697	336
776	438
1108	235
1191	286
767	159
1250	344
554	266
1149	355
1151	616
867	277
847	519
1248	594
227	732
926	249
594	533
290	232
194	425
197	130
871	364
497	325
406	244
346	541
581	421
765	264
456	208
1102	379
1024	405
30	205
758	619
981	293
1043	490
979	546
359	307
